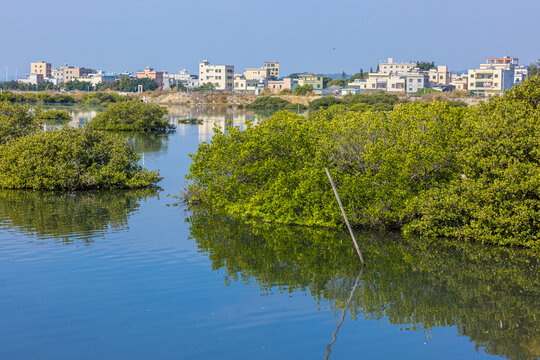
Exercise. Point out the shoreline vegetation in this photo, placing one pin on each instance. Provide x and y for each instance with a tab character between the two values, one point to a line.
64	159
132	116
434	170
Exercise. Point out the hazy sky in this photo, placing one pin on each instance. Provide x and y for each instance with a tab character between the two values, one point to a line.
303	35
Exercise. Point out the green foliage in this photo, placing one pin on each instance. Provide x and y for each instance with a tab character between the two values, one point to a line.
379	101
497	197
205	87
303	90
337	82
294	76
326	80
425	66
42	97
126	84
54	115
104	98
274	103
534	69
191	121
457	103
77	85
425	91
71	159
131	116
361	75
16	121
275	170
286	92
324	102
443	170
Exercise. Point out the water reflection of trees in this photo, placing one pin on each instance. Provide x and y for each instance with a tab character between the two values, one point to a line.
491	295
69	217
147	142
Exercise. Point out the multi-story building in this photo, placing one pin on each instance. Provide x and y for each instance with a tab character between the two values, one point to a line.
149	73
409	82
32	79
276	86
70	73
490	81
520	74
315	80
505	62
461	82
439	76
43	68
183	78
248	86
390	67
415	81
222	76
274	68
257	73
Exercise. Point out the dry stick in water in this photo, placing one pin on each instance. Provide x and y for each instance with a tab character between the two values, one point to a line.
344	215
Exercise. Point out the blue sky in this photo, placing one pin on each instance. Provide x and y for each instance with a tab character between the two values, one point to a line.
303	35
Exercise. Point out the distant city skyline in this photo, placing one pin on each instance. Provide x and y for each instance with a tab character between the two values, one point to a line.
315	36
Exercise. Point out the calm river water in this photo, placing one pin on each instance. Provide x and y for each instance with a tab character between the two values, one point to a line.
135	275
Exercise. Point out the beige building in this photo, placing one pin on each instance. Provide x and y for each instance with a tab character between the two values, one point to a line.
440	75
70	73
273	66
315	80
43	68
390	67
490	81
257	73
461	82
150	73
222	76
247	86
504	63
277	85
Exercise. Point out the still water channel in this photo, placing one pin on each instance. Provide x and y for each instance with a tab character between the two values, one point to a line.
135	275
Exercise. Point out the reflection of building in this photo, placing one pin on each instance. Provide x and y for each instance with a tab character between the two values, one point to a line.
211	116
221	76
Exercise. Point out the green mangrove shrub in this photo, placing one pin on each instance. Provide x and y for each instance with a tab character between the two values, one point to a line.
275	170
16	121
54	115
131	116
497	197
71	159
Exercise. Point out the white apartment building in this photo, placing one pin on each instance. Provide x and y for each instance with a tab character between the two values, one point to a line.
257	73
182	77
402	82
390	67
222	76
248	86
520	74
